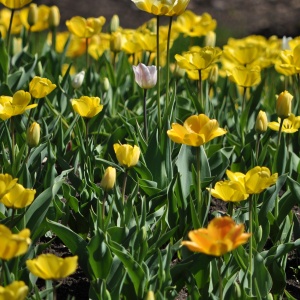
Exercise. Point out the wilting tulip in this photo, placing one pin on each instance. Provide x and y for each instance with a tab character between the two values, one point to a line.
284	105
109	179
85	28
17	290
289	125
87	106
127	155
261	123
40	87
15	4
18	197
13	245
229	191
50	267
196	131
161	7
33	135
145	76
6	183
78	80
221	236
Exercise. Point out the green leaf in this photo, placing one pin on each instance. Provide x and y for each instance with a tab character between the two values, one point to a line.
134	270
100	258
74	242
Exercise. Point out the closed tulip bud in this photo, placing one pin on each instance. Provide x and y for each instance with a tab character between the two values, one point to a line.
284	105
210	39
214	74
78	80
114	23
33	135
261	123
145	76
150	296
106	84
116	42
54	17
127	155
32	14
109	179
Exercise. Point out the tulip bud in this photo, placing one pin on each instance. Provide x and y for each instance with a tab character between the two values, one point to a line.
285	43
261	123
33	135
116	42
54	17
145	77
78	80
284	105
109	179
114	23
150	296
106	84
32	14
210	39
214	74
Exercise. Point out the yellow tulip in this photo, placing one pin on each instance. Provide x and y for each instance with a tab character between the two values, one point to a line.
15	4
6	183
193	25
245	77
109	179
16	105
255	180
261	123
40	87
13	245
87	106
258	179
50	267
284	105
198	60
18	197
221	236
85	28
17	290
290	124
33	135
196	131
161	7
229	191
127	155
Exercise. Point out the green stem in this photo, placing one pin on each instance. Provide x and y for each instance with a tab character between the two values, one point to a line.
244	99
12	129
145	116
12	216
279	132
199	191
54	39
124	186
158	76
87	52
220	278
251	243
257	146
9	30
168	61
103	206
200	87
